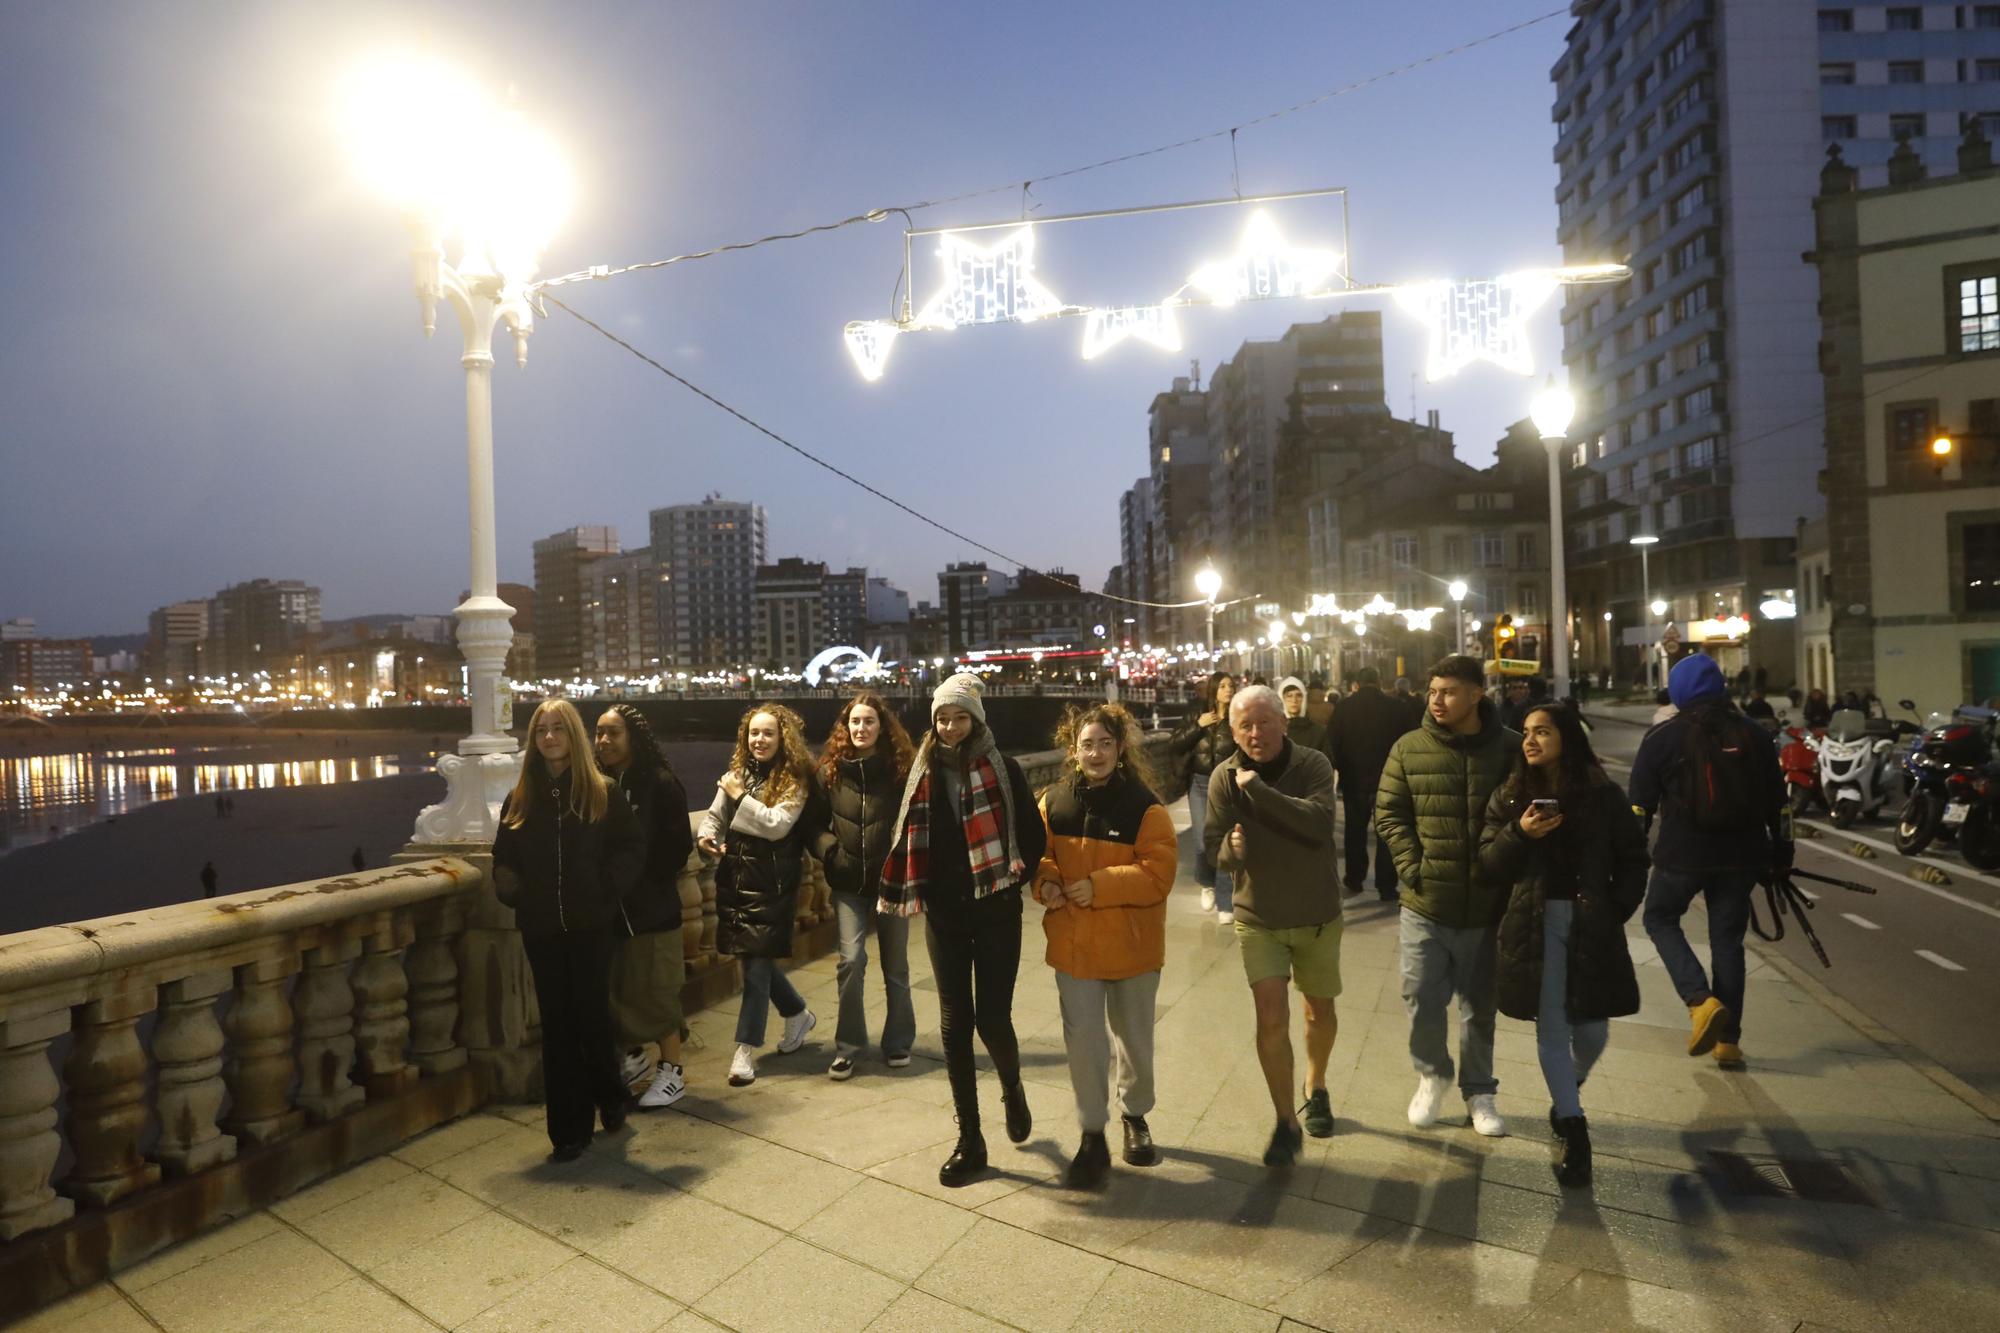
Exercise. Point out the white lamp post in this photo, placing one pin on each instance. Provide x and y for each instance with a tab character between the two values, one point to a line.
1208	583
1645	543
1552	411
474	177
1458	590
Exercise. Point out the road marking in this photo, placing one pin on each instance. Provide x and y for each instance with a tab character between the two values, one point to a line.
1902	881
1860	921
1806	893
1940	960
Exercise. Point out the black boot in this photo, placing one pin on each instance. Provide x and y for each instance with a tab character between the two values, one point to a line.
1574	1168
1020	1123
967	1161
1091	1165
1139	1149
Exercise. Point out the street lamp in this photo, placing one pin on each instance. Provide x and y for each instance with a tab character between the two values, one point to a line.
1208	583
1645	541
1552	412
474	177
1457	589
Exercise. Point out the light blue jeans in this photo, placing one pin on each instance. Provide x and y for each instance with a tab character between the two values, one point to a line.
763	986
1439	962
1221	881
1567	1050
858	920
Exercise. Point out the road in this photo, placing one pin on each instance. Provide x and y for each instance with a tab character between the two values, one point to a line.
1921	960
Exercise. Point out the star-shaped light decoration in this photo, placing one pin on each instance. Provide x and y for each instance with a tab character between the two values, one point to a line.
1265	266
988	284
1105	329
869	342
1479	321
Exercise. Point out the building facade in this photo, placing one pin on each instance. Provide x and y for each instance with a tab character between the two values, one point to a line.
709	554
791	613
560	560
176	639
262	625
43	666
843	607
1178	463
1045	609
965	592
1138	561
618	616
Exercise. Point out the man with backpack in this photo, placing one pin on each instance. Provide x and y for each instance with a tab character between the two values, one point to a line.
1713	777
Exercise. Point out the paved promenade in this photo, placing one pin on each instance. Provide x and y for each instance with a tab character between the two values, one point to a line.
799	1203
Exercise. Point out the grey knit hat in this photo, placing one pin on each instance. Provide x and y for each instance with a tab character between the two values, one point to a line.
961	691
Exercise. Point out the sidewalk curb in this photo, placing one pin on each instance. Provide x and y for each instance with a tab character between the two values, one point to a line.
1875	1032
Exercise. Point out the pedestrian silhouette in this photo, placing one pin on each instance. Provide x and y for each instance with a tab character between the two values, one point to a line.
358	861
208	879
221	807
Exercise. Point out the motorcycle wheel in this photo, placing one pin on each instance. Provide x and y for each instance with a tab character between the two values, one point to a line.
1918	823
1979	838
1845	811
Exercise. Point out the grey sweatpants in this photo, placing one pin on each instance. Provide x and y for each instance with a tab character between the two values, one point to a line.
1098	1016
1438	962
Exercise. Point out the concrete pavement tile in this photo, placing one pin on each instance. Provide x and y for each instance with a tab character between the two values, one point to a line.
427	1150
337	1189
1231	1144
1945	1196
1416	1279
888	1228
684	1246
776	1185
918	1171
582	1295
579	1203
916	1312
472	1267
225	1239
392	1220
681	1147
1134	1203
1135	1301
859	1137
101	1309
687	1321
482	1170
1595	1301
1252	1243
984	1271
245	1287
1403	1178
355	1306
796	1288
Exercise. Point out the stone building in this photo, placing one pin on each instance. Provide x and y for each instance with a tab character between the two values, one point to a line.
618	621
560	560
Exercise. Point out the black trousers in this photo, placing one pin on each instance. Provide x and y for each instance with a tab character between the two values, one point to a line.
1358	817
975	953
573	986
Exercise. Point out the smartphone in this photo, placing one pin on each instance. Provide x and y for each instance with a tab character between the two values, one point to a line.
1545	806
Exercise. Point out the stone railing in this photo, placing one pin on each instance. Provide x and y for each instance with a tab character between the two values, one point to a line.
164	1070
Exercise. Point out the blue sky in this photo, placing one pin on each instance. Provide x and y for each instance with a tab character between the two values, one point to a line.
214	372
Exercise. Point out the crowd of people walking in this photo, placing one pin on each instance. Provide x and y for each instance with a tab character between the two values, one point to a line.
1513	860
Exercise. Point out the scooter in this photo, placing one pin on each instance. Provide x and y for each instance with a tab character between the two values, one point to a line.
1946	763
1979	835
1854	766
1798	756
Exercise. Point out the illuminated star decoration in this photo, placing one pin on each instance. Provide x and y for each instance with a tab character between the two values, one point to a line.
869	342
1265	266
1105	329
988	284
1479	321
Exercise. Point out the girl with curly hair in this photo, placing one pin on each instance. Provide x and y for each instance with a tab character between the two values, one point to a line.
754	827
862	767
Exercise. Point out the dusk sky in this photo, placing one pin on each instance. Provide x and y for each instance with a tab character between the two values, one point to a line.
214	369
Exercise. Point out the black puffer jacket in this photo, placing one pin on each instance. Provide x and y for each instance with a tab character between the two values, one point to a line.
861	808
560	874
1198	749
1364	729
757	881
659	802
1601	844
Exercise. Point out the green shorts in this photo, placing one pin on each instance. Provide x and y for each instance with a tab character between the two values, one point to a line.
1309	955
647	973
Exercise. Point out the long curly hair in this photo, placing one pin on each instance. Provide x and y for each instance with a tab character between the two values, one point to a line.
791	766
1124	728
1576	767
589	793
894	740
647	752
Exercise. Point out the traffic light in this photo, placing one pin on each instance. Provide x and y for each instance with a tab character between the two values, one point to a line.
1503	635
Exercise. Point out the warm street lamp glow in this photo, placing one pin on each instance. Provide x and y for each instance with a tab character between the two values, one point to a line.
1644	540
1553	410
1659	607
1457	590
1941	447
1207	582
1277	630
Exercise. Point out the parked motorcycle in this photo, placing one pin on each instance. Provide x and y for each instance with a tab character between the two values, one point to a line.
1946	764
1854	776
1979	835
1798	756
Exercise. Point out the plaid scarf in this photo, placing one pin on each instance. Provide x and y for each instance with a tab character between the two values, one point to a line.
988	823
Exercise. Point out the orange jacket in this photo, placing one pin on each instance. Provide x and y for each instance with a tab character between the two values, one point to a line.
1121	839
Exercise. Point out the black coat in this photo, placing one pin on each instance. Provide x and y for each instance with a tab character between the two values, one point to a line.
659	802
1198	749
860	806
1364	728
948	894
1606	849
561	875
757	885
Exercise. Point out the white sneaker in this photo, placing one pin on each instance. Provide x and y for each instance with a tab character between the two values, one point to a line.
1484	1118
841	1069
743	1066
1429	1101
636	1067
668	1087
796	1027
899	1062
1208	900
1225	918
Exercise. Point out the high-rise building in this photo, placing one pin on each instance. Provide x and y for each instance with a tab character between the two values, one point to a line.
964	590
708	555
1137	552
175	639
1688	137
844	607
1047	608
1247	409
887	604
791	610
43	666
560	560
261	625
618	617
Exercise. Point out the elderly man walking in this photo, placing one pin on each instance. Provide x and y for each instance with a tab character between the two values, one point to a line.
1270	822
1429	809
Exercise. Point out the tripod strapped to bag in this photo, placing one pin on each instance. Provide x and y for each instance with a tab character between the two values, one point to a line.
1785	896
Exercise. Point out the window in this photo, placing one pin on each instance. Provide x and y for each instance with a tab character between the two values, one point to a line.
1909	126
1906	18
1690	252
1986	71
1979	561
1684	101
1691	302
1979	310
1909	427
1656	322
1688	201
1405	551
1906	71
1836	20
1986	16
1489	549
1836	127
1677	55
1697	455
1528	603
1698	404
1837	75
1685	152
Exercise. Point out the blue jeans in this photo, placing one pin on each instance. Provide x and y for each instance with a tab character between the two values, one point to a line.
1567	1050
1205	872
1727	893
1438	962
858	919
763	986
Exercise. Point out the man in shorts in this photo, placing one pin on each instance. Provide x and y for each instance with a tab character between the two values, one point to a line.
1271	822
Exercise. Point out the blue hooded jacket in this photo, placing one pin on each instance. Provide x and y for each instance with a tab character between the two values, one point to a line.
1696	683
1696	679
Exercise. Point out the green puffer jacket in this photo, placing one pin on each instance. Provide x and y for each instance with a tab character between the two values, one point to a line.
1429	809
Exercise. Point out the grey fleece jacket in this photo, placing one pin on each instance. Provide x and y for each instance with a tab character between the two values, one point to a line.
1287	875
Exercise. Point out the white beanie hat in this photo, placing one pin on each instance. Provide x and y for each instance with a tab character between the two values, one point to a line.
961	691
1291	683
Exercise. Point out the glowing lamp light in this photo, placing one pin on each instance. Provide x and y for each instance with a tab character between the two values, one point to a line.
1105	329
1941	447
1207	582
1553	410
1457	590
1659	607
1778	608
1479	321
1277	631
1265	266
1645	539
869	342
988	284
1298	617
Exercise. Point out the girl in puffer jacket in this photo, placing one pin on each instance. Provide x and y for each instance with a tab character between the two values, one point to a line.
754	827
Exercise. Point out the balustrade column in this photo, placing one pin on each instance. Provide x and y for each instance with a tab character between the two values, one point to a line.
106	1078
188	1047
260	1068
381	1011
29	1144
432	967
325	1004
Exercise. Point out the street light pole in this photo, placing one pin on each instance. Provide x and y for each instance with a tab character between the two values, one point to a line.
1553	410
1208	583
1645	541
1458	589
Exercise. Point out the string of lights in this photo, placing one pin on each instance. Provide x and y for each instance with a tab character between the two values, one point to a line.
835	469
599	271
